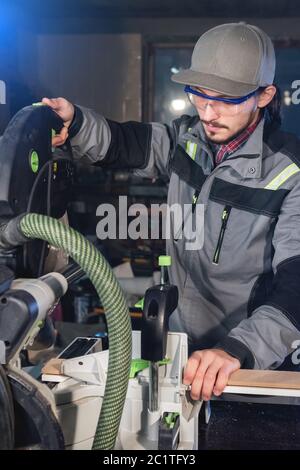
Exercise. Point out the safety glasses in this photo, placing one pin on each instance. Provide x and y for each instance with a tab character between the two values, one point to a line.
221	106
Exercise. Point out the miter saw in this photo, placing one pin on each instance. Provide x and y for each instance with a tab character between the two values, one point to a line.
61	408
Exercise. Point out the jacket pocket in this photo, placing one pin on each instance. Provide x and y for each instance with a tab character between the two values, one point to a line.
256	200
224	221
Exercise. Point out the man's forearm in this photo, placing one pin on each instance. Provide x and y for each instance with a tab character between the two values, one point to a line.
268	334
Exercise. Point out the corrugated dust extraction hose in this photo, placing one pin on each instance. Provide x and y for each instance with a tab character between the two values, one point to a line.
117	316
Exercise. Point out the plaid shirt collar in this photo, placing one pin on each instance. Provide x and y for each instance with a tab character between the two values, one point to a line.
221	152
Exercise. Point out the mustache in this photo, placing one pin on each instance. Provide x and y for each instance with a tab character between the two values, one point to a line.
214	124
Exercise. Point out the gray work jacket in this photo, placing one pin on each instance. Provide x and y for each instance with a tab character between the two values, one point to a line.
241	291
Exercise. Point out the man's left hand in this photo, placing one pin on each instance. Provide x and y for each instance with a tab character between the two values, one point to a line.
208	372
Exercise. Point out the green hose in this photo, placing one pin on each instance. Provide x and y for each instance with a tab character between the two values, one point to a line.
117	316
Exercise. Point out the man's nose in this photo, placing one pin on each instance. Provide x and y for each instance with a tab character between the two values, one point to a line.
209	113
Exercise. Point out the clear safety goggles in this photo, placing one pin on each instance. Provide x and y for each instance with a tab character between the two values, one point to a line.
221	106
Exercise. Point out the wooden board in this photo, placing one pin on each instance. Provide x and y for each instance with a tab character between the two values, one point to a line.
53	367
266	379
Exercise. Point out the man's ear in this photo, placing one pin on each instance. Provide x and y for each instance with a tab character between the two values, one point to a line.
266	96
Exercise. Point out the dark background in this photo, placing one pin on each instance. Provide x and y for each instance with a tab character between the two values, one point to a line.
117	55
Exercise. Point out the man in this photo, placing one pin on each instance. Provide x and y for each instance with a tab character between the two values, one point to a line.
239	294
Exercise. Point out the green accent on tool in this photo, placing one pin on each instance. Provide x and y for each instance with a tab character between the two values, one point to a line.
137	365
34	161
140	303
170	419
39	103
164	260
53	134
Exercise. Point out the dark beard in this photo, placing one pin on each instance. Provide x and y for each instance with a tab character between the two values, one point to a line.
224	142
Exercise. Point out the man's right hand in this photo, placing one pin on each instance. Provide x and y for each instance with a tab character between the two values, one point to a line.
65	110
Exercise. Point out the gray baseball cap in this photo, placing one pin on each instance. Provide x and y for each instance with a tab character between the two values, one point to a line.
233	59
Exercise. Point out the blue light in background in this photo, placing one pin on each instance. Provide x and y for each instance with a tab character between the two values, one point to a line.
11	20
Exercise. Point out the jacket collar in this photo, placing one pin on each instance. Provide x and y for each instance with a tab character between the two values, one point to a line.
247	160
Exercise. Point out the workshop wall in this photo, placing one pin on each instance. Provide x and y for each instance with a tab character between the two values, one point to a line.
99	62
100	71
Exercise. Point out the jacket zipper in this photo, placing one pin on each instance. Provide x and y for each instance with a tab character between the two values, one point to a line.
194	203
224	219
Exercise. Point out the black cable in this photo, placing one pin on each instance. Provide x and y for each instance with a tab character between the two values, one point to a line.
38	179
72	272
31	196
